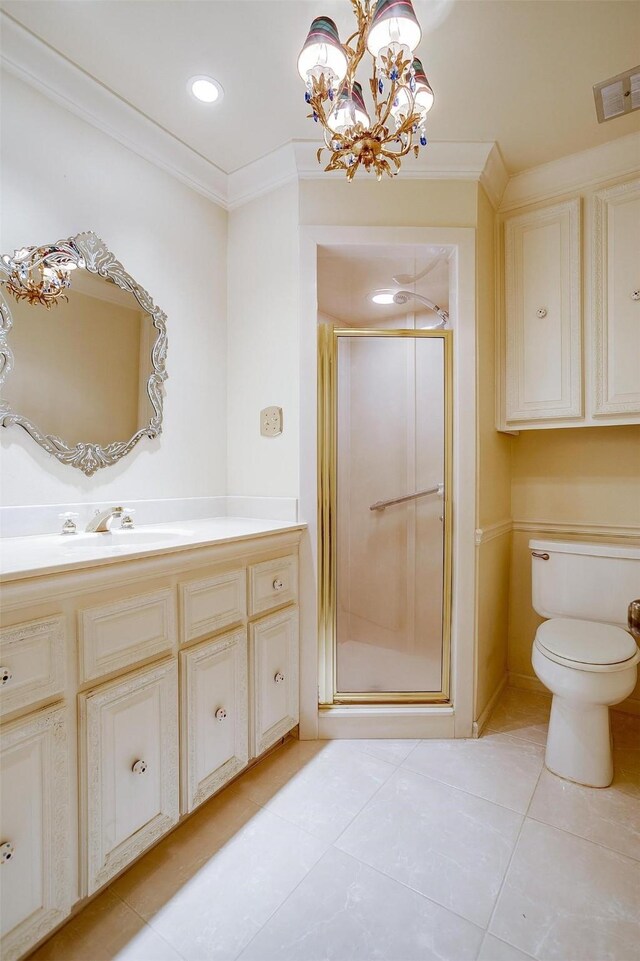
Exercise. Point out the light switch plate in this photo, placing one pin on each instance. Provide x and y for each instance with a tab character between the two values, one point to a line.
271	421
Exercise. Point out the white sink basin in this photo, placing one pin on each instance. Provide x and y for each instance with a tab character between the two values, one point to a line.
111	540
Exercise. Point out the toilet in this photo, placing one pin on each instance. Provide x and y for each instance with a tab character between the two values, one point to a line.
584	653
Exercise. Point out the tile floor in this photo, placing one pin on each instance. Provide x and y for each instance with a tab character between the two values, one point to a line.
396	850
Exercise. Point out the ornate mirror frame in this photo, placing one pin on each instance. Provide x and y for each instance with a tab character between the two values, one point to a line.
88	251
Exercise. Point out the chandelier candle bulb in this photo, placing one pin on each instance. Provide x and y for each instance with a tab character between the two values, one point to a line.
356	136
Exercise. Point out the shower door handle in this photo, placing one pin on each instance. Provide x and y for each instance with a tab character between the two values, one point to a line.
380	505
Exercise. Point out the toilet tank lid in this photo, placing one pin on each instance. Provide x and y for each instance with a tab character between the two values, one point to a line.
582	547
586	642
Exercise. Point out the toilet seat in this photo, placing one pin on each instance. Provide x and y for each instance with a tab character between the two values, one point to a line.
587	645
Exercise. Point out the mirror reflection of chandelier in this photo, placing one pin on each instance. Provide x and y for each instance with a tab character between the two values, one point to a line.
402	95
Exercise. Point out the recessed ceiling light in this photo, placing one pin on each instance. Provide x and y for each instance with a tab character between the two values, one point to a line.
383	296
205	89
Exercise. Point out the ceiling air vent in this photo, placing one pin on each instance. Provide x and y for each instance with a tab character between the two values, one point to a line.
618	96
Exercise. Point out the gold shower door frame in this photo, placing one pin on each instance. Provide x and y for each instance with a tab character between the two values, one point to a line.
328	694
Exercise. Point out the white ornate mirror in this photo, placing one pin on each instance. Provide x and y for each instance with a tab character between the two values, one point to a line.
82	352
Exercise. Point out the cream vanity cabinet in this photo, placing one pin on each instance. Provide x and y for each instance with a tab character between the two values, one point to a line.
129	694
570	329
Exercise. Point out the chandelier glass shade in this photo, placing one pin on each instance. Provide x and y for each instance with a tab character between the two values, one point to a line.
402	96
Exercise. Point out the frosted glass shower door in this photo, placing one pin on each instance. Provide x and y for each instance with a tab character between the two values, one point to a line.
390	561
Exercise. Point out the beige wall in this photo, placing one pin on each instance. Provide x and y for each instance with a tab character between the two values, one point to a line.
61	176
263	344
397	203
581	483
493	493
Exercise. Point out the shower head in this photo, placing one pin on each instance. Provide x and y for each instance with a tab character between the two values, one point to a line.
404	296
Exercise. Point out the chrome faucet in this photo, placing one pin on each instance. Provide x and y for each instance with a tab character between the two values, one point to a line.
100	520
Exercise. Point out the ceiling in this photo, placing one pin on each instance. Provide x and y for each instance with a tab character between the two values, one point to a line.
348	275
519	72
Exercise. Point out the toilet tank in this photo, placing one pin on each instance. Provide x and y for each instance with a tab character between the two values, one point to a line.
591	582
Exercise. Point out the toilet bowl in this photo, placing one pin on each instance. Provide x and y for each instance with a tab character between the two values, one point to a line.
588	662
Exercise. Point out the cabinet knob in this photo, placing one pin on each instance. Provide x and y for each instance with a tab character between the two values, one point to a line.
278	584
541	313
6	851
635	295
279	678
139	767
221	714
6	674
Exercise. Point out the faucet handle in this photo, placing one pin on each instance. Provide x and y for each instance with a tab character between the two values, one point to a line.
127	518
633	618
69	526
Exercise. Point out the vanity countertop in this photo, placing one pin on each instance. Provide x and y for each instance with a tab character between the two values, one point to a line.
37	555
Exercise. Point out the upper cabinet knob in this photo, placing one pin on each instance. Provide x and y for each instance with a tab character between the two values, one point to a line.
5	675
278	584
221	714
279	678
139	767
541	312
635	295
6	851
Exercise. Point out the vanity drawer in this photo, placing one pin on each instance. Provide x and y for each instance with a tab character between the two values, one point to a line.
32	657
215	727
212	603
117	636
274	649
272	584
129	768
35	895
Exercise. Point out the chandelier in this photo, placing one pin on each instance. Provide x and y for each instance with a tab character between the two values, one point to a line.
39	275
402	95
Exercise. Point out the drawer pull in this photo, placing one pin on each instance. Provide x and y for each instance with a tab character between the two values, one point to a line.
6	851
278	584
543	557
139	767
221	714
279	678
6	674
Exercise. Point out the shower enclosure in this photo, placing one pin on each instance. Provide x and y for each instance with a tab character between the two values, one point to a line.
385	514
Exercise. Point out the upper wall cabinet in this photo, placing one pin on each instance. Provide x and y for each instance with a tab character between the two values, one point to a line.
616	299
543	376
561	366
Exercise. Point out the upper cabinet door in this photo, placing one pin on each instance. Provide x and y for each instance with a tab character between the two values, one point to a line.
616	299
543	314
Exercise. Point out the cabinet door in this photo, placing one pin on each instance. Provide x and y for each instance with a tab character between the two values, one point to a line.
543	320
34	830
129	741
215	727
616	299
274	646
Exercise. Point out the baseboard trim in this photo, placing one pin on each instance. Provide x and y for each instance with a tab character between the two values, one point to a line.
527	683
479	725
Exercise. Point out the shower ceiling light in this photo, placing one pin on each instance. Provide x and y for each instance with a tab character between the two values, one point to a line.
404	296
401	93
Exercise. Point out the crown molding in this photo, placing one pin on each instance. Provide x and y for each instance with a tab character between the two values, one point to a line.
41	66
577	171
48	71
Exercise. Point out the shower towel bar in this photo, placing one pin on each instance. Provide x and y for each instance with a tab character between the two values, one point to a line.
380	505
